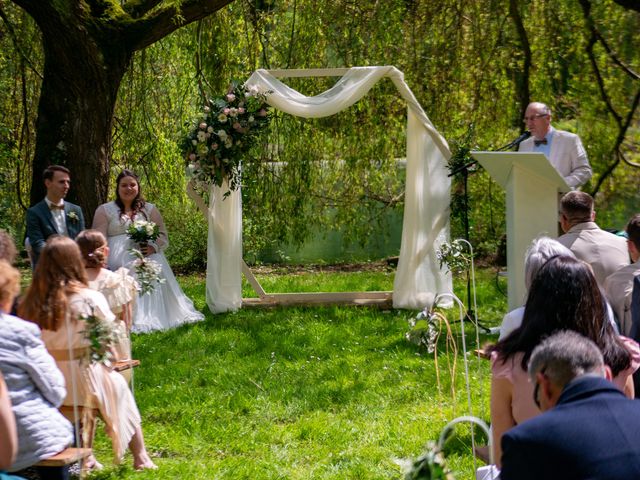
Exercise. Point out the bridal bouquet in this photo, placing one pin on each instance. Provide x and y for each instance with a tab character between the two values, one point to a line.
142	231
227	128
148	272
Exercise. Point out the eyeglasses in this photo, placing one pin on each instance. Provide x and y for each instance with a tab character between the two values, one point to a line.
533	117
536	391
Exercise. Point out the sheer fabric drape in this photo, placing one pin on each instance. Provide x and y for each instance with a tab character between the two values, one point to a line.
426	211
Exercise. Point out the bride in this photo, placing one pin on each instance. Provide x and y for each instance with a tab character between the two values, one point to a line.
166	306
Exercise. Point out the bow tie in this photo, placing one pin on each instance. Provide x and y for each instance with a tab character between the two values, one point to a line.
540	142
56	207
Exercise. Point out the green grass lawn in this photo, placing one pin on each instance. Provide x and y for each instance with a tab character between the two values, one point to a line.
300	393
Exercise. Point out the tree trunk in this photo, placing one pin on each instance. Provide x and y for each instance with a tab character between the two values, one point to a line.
88	47
75	117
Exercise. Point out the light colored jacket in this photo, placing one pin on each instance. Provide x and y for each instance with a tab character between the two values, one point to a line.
567	156
604	251
618	287
36	387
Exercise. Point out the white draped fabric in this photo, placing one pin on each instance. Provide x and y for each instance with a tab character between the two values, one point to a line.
426	210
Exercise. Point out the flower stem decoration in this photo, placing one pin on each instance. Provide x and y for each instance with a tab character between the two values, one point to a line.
100	335
227	128
148	272
430	465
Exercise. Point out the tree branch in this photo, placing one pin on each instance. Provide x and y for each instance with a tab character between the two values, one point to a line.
616	149
522	84
146	31
586	9
629	4
14	38
140	8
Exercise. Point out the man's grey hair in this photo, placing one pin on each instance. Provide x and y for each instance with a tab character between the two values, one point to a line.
564	356
538	253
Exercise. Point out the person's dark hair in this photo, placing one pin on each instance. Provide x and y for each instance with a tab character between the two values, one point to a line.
48	172
564	356
137	206
565	296
92	244
633	230
8	250
577	207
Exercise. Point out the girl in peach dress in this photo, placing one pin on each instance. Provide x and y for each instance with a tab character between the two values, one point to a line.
119	288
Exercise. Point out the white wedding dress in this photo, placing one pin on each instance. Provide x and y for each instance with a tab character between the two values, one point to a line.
166	306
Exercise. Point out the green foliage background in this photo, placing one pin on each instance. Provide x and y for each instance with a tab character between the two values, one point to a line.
463	59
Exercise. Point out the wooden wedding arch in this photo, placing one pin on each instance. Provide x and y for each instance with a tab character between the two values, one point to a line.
419	277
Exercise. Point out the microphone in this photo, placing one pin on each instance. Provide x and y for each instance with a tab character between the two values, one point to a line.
517	141
521	138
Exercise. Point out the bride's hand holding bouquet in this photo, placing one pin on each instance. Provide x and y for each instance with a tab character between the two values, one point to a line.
144	233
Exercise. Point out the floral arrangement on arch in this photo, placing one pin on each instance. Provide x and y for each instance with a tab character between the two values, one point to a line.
225	131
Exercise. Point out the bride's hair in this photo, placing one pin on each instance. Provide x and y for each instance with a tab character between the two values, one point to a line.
138	203
58	274
92	243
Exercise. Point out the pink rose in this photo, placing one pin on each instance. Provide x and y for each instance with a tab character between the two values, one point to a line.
203	126
230	97
241	110
192	156
262	113
237	126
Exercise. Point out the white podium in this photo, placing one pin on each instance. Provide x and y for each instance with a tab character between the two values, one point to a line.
532	186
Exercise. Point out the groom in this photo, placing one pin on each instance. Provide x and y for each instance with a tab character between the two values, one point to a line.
53	216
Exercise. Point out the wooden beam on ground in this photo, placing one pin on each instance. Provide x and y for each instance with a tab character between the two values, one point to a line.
377	299
253	281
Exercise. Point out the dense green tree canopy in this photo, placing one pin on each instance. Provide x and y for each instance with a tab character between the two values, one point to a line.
470	63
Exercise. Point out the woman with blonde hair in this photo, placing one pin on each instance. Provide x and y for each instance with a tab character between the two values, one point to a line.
60	302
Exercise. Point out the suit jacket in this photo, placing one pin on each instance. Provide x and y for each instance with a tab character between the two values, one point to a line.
618	287
604	251
567	155
592	433
40	225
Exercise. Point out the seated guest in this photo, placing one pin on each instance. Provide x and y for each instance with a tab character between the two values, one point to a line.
60	303
8	435
36	385
563	296
589	428
604	251
619	285
119	288
540	250
8	251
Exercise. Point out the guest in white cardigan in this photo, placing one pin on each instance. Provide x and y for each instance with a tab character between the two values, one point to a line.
36	385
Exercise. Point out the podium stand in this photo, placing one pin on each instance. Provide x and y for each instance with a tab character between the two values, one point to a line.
532	186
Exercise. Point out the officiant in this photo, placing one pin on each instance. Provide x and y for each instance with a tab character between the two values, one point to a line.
563	149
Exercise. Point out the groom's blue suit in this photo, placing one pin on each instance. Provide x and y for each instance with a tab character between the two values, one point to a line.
40	225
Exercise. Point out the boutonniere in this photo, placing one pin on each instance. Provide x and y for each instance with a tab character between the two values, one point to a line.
73	216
